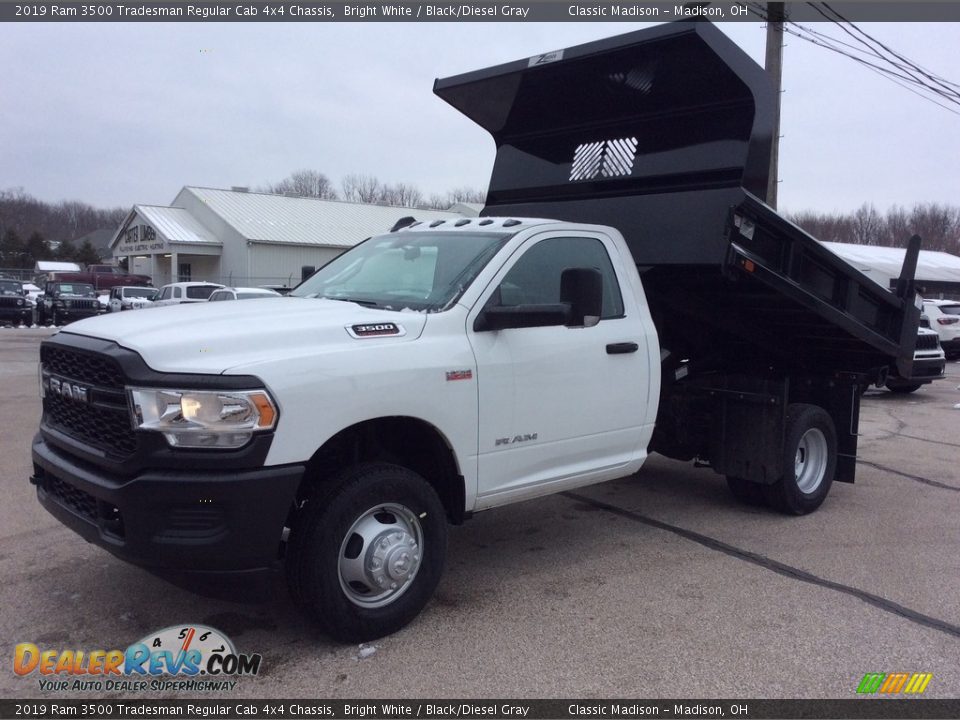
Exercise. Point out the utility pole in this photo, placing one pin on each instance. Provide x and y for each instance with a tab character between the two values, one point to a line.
776	14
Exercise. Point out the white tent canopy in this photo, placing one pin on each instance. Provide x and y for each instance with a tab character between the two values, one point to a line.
45	266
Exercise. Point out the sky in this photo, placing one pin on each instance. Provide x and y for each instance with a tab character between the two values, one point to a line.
115	114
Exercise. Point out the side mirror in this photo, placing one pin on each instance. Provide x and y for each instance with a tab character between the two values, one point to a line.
582	290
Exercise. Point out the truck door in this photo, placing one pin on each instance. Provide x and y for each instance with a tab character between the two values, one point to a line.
558	406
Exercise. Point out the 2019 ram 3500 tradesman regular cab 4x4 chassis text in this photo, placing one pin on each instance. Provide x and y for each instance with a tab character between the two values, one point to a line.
440	370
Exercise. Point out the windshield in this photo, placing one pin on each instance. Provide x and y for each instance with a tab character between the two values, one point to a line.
408	270
82	289
950	309
201	292
10	287
140	293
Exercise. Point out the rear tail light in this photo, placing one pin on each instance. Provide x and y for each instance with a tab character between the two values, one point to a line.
948	320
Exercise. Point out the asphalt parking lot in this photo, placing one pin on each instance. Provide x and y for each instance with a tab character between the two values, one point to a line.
657	585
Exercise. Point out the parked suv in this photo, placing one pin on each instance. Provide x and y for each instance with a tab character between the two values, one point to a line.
131	298
928	362
65	302
945	319
15	307
185	292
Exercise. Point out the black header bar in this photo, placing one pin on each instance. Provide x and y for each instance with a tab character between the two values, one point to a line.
470	11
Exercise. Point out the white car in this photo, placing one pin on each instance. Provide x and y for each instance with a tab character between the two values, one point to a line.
132	297
242	293
945	319
928	363
185	292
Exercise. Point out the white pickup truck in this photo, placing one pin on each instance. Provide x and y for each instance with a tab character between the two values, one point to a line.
439	370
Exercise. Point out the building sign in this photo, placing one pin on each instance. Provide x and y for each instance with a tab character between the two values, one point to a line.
139	239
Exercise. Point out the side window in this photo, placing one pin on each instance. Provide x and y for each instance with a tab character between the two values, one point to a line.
177	292
165	295
535	279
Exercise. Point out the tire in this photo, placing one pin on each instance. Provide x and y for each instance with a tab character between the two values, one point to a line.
903	389
749	493
809	461
376	515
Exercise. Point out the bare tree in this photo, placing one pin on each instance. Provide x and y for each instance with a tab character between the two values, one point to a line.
868	226
362	189
402	195
457	195
305	183
898	227
61	221
937	225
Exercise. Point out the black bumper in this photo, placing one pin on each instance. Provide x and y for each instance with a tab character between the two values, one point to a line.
951	348
927	369
180	521
17	315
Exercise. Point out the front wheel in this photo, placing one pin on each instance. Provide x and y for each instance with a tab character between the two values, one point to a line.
809	461
365	558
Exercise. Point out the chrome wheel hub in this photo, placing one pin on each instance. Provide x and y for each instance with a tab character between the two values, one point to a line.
810	464
380	555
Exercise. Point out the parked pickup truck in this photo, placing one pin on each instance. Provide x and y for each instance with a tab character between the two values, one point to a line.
102	277
452	367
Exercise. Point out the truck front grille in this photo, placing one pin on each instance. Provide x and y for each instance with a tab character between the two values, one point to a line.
927	342
103	420
83	367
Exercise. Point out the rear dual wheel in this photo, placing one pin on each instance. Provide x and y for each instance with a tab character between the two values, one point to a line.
808	466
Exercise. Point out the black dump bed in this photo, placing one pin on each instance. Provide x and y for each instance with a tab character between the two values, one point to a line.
665	134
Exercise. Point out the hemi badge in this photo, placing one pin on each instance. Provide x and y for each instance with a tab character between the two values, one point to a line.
375	330
459	375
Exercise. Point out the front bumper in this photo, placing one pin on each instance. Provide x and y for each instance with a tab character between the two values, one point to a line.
71	314
17	315
927	369
196	522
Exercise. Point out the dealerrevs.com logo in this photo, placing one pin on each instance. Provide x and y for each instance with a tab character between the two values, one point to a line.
180	657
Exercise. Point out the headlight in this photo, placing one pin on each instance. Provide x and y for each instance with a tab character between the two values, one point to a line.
203	419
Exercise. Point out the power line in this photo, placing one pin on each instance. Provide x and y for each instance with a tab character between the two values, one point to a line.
902	71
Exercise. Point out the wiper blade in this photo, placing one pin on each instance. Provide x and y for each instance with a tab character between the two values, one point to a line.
359	301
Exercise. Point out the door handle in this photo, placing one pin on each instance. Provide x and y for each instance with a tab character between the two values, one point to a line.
622	348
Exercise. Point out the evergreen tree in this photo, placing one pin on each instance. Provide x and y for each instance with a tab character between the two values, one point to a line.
87	254
11	250
67	252
37	249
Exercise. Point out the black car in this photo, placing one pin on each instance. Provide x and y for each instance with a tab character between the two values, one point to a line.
15	308
65	302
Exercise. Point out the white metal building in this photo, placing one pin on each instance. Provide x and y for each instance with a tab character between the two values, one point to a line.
236	237
938	273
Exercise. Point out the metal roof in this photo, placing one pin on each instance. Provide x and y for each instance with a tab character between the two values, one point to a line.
176	224
261	217
931	265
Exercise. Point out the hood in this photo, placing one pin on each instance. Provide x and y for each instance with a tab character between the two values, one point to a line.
215	337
